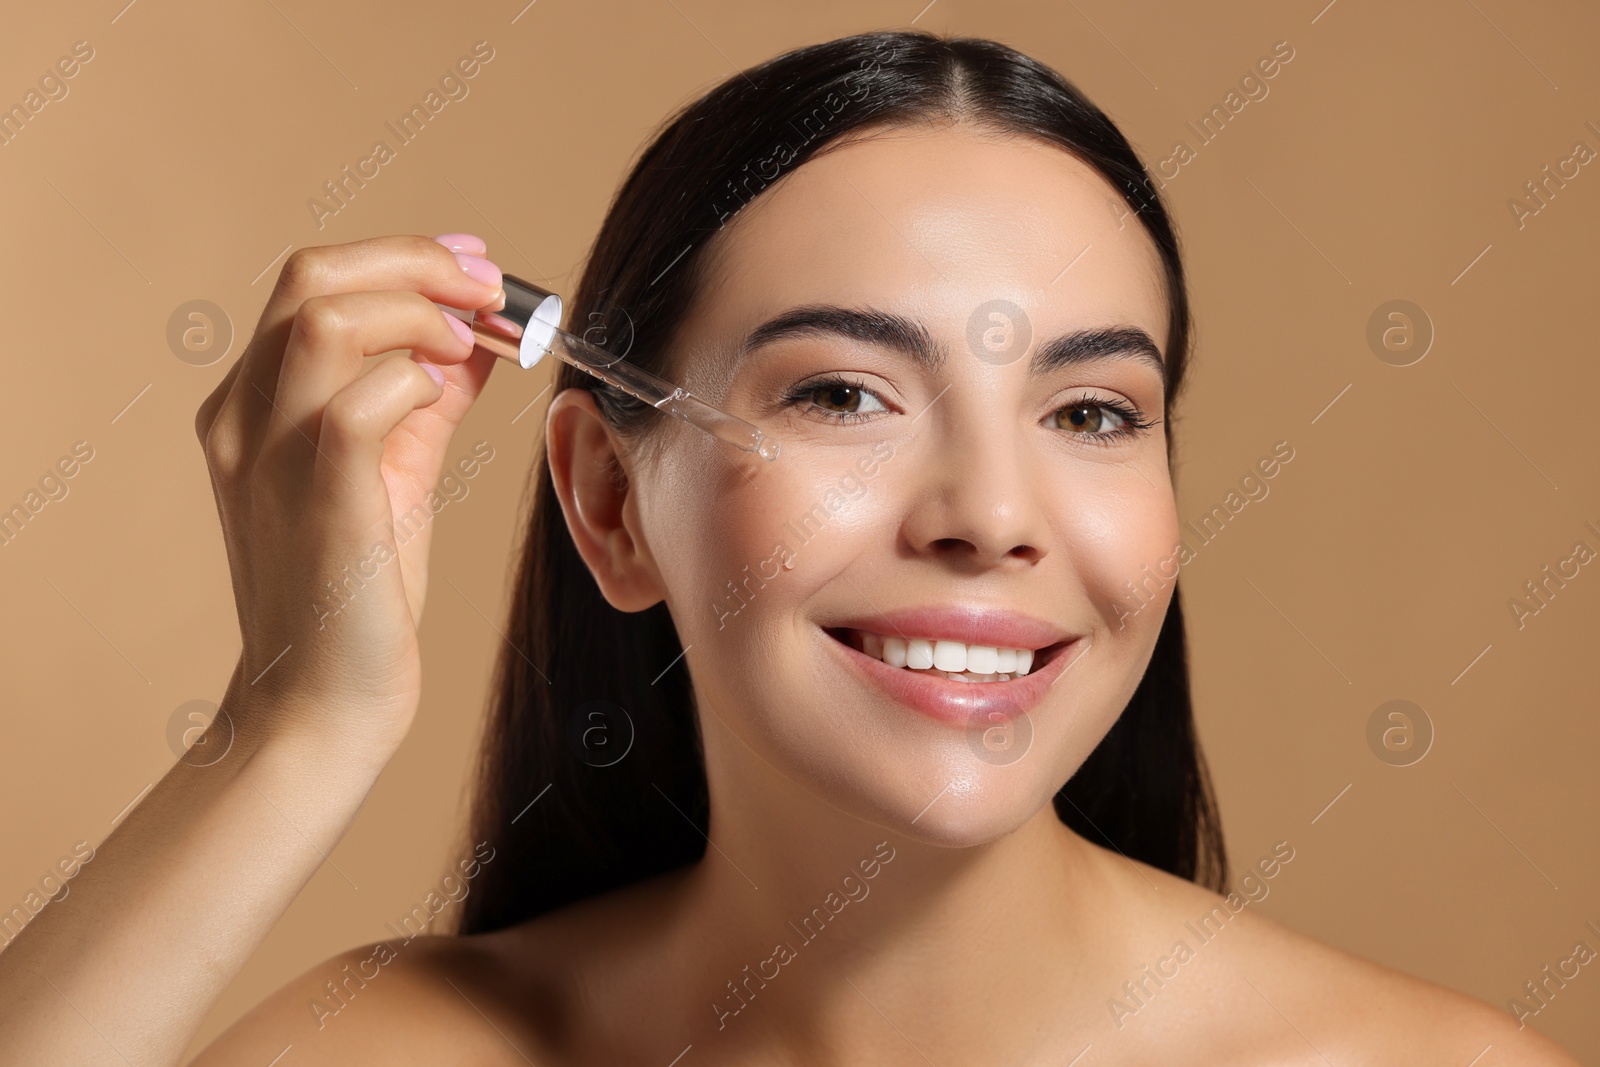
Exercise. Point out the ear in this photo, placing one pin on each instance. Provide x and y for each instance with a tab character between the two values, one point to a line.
595	488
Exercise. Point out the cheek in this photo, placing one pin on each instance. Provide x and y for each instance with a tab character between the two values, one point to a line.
741	553
1123	546
742	543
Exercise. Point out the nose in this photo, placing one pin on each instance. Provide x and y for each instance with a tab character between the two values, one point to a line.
975	502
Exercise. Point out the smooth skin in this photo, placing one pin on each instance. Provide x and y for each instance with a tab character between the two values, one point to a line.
994	935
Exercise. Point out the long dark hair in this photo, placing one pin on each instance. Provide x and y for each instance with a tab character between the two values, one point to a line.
564	828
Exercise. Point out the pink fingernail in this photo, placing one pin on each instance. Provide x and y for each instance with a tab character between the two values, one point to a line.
462	331
479	269
463	242
433	372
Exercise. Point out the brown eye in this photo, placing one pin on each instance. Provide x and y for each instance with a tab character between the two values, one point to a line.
845	397
838	400
1087	418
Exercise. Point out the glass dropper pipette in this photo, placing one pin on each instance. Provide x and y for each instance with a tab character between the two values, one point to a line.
530	325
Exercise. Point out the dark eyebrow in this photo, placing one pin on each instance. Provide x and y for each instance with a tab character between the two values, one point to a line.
1101	342
880	328
908	337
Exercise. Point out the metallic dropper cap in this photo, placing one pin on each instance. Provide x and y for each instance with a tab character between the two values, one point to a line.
521	331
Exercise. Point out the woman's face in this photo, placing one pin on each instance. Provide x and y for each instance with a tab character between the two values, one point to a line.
978	492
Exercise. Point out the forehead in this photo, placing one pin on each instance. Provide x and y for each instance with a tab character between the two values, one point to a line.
933	223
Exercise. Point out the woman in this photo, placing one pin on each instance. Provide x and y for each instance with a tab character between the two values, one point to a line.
775	771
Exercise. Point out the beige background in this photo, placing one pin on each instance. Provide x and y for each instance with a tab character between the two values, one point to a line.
1419	501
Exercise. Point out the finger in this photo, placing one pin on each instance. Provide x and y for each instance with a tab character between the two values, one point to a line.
348	473
397	262
426	432
332	337
212	404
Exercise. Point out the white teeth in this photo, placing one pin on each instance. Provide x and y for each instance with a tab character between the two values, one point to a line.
951	659
950	656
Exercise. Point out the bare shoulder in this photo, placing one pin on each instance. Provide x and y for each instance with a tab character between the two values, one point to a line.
428	1000
1323	1001
510	996
1383	1015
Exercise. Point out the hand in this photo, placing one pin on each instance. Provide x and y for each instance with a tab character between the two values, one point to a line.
317	453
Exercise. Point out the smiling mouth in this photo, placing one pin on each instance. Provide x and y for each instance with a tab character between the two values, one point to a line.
952	660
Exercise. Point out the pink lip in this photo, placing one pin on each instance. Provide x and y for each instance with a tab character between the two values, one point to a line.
972	626
962	704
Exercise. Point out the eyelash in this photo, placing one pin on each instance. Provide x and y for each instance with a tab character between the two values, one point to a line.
1134	422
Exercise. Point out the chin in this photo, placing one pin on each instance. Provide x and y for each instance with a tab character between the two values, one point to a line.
943	786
